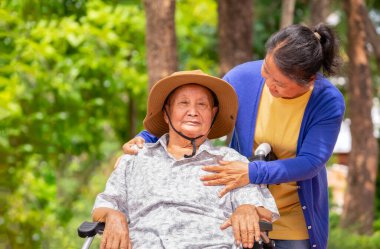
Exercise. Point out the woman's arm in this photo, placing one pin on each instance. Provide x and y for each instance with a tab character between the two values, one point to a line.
314	151
316	145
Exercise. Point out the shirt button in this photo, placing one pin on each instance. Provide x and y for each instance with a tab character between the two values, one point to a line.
314	245
309	227
303	207
299	187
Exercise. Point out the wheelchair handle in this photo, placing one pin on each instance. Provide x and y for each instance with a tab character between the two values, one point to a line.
90	229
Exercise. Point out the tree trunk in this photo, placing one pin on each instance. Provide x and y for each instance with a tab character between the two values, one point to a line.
358	210
235	24
287	13
319	11
160	39
372	36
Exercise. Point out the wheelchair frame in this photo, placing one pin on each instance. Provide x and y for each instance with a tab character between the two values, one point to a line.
264	152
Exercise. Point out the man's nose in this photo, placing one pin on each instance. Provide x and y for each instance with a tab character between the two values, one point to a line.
192	110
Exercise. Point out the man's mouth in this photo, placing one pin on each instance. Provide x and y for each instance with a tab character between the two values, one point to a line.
192	122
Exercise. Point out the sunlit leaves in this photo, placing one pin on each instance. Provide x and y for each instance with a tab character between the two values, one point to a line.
65	87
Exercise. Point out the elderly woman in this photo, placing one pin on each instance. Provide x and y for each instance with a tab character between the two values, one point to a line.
155	199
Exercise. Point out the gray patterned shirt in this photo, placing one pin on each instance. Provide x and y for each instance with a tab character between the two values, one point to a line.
167	205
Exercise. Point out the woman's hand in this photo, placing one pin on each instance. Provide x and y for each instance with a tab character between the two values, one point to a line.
116	234
232	174
245	225
127	147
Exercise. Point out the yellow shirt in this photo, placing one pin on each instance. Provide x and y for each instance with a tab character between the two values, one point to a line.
278	123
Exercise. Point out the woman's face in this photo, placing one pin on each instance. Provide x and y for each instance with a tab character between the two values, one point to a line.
191	110
279	85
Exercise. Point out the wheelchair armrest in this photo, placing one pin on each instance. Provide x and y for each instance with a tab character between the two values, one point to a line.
90	229
265	226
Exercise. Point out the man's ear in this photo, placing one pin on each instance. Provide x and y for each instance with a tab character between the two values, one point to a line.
214	110
166	107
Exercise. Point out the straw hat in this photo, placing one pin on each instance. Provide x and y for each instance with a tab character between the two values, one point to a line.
228	102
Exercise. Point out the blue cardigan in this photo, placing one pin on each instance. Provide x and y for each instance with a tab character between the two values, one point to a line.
319	131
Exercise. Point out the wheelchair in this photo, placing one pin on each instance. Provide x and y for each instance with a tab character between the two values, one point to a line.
263	152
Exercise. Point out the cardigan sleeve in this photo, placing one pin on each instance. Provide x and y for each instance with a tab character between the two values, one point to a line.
148	137
318	136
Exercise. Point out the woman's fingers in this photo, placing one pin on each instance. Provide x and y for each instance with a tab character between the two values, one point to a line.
225	190
211	177
129	148
232	174
213	168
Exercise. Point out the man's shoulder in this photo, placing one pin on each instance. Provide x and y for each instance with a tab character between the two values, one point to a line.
228	154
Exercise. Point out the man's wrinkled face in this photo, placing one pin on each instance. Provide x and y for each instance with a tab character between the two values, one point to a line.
191	110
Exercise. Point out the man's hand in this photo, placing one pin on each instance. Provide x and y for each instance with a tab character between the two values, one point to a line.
232	174
127	147
245	225
116	234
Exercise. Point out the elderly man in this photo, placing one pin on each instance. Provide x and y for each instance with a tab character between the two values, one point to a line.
155	199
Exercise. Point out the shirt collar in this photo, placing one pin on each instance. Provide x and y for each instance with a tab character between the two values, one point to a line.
206	146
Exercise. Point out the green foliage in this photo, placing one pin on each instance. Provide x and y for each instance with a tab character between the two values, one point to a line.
196	35
73	82
65	87
68	79
340	238
37	9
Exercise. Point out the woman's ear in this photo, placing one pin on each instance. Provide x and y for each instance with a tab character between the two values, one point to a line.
312	80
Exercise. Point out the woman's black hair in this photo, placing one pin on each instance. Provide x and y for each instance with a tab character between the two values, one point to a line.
300	52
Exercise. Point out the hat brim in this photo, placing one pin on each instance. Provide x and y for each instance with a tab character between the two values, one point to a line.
228	103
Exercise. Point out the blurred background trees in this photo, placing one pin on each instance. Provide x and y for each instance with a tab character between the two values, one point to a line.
74	76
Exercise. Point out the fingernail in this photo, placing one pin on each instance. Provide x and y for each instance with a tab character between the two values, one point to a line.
250	245
245	245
